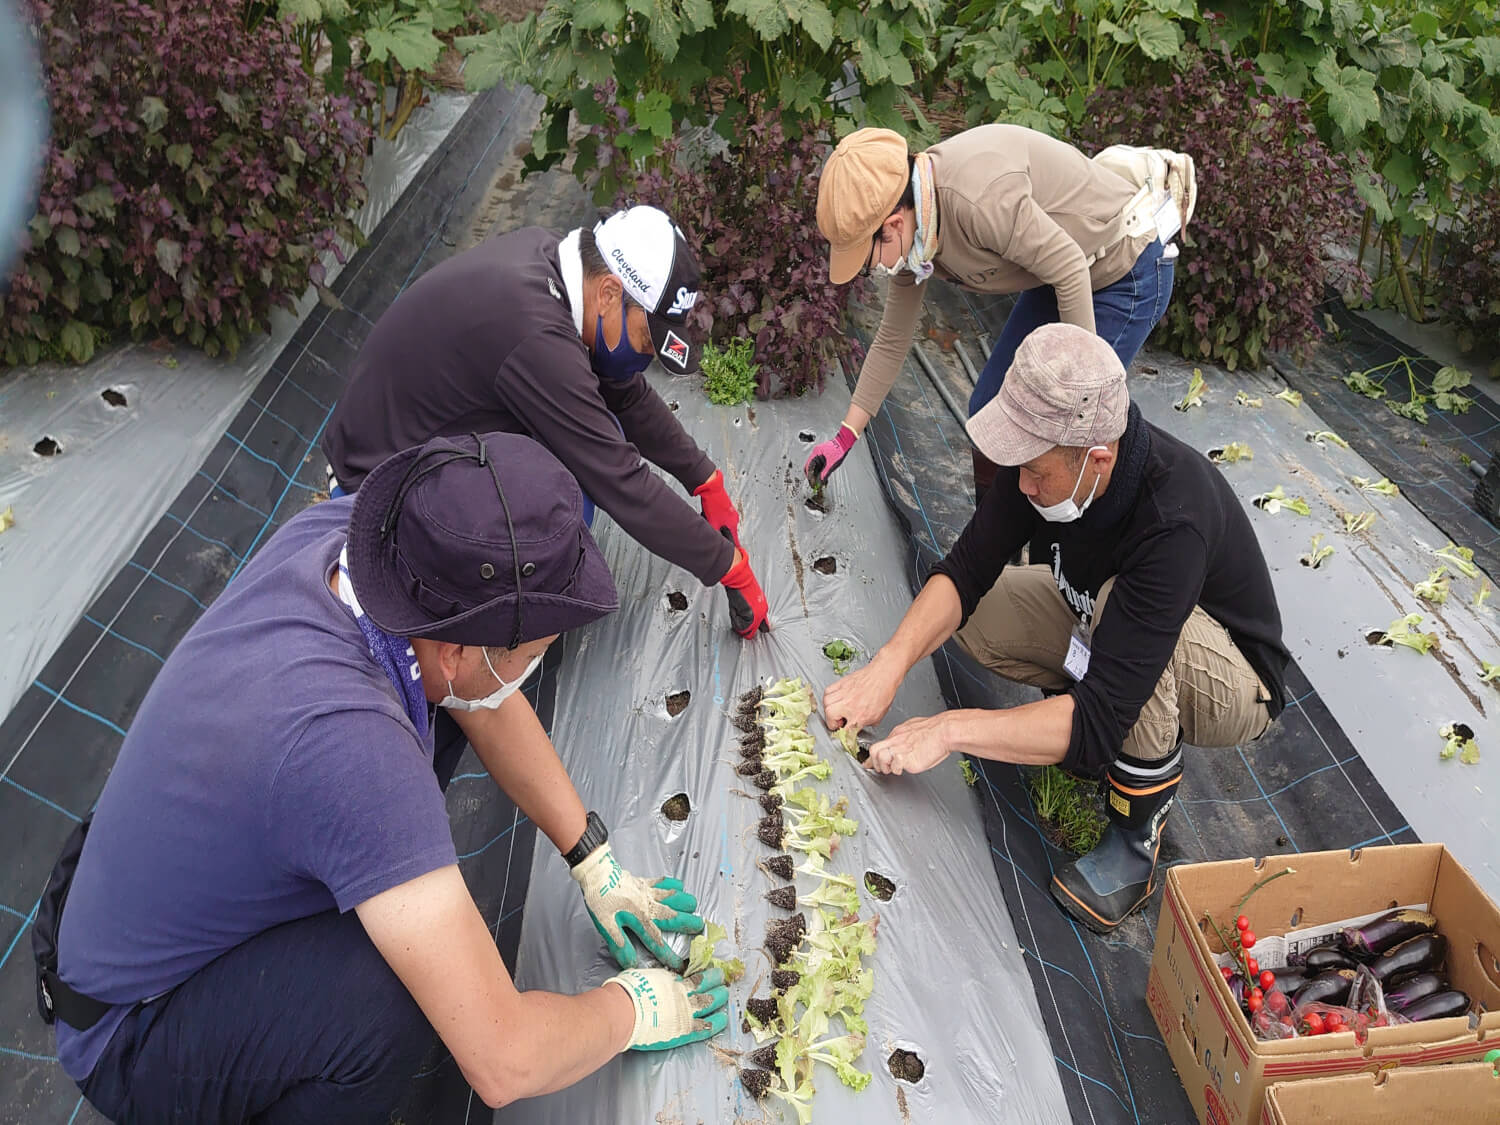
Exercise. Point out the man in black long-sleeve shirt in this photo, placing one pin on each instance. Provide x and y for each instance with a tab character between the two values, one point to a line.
537	333
1149	618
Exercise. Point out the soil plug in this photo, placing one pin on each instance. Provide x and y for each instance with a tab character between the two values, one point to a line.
749	767
756	1082
753	744
763	1008
677	702
783	898
906	1066
771	802
766	779
780	951
783	979
779	866
771	831
676	807
764	1057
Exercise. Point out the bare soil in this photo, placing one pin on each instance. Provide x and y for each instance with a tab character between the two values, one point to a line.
677	702
879	886
677	807
677	601
826	565
906	1066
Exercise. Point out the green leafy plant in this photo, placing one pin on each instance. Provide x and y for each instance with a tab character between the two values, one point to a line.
730	374
1354	524
1230	453
1458	738
1434	588
1441	391
195	177
1482	594
1459	558
966	769
1290	396
1323	438
1273	501
1194	394
1068	810
702	955
1382	486
1241	398
1488	673
842	653
1406	632
1317	554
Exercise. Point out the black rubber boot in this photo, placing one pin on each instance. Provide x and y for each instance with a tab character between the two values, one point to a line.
1103	888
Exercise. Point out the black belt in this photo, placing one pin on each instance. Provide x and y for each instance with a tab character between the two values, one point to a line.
55	998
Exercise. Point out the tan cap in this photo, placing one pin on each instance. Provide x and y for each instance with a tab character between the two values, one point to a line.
1065	387
861	184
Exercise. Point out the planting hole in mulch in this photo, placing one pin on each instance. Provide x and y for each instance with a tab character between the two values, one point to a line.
906	1066
676	807
879	886
1375	637
672	406
677	702
677	601
807	436
47	447
826	565
113	397
818	502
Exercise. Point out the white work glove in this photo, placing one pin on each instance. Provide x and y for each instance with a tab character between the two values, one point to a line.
671	1011
623	905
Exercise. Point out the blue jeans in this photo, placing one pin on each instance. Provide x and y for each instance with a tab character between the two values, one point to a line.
1124	315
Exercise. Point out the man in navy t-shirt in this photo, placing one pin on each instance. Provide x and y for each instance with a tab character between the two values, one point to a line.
267	920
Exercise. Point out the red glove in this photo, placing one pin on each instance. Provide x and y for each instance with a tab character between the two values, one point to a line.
718	509
747	601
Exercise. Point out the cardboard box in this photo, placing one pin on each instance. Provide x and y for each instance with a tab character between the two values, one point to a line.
1460	1094
1223	1066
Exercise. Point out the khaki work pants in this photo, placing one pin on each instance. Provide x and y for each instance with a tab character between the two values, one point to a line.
1020	630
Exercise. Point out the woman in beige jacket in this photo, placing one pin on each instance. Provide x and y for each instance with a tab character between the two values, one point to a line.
998	209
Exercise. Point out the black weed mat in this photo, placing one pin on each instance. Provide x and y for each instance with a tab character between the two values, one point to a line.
1302	787
59	742
1430	464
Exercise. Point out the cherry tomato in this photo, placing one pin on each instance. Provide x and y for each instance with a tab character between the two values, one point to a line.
1268	980
1252	968
1242	923
1253	1001
1257	993
1227	971
1312	1024
1276	1001
1247	939
1333	1022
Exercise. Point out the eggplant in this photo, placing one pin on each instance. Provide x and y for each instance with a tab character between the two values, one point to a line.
1423	954
1386	932
1440	1005
1290	979
1331	987
1327	957
1413	989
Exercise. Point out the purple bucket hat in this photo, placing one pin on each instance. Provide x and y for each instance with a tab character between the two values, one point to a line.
476	540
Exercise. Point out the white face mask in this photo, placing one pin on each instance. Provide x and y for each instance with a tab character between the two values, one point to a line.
1066	511
496	697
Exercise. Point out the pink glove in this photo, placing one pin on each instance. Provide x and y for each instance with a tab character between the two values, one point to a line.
828	456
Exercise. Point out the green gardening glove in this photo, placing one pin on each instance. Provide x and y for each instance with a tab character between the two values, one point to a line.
624	906
671	1011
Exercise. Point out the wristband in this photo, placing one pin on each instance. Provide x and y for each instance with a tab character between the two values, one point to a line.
594	835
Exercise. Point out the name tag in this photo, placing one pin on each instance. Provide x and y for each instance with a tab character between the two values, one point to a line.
1076	663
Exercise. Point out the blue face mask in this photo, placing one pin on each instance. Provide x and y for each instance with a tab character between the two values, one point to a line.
622	361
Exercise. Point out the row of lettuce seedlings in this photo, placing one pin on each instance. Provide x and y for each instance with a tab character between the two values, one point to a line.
818	975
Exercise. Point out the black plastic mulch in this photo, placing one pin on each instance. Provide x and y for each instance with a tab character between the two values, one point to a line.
1426	462
59	742
1302	787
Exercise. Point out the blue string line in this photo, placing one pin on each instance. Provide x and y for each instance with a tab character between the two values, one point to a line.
288	381
183	590
504	833
8	910
1273	793
81	710
14	784
76	1108
1383	836
122	637
1090	1078
1285	830
29	919
249	551
232	496
269	413
27	1055
191	530
266	460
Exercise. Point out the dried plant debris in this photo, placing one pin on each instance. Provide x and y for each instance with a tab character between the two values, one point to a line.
1277	499
1242	398
756	1082
1194	395
1324	438
906	1065
879	886
676	807
1229	454
1354	524
1458	739
1383	486
1405	631
677	702
1316	554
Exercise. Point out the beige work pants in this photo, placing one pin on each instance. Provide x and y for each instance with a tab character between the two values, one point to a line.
1020	630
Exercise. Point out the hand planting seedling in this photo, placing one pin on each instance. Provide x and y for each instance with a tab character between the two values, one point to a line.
1273	501
1458	738
1234	451
1194	396
842	653
1382	486
701	955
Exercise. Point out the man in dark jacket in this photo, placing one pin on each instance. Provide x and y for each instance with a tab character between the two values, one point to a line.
547	335
1150	617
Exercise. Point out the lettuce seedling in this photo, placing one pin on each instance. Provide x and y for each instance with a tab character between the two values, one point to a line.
1460	559
1482	595
1323	438
1243	399
1234	451
701	955
799	1097
842	654
1404	631
1273	501
1355	524
788	698
1458	738
1316	555
839	1052
1382	486
1488	673
1434	589
1194	396
847	736
1291	396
